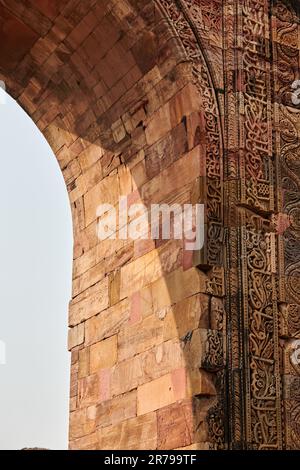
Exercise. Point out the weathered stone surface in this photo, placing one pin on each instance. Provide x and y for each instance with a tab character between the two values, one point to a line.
106	192
108	323
161	392
184	103
80	424
89	442
175	425
145	270
178	285
16	37
182	172
140	432
200	383
115	103
115	411
89	303
186	316
89	278
88	390
103	355
158	361
76	336
139	337
84	363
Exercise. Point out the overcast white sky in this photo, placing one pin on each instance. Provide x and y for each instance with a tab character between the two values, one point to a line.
35	287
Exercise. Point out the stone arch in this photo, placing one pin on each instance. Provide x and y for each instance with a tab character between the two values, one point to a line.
124	95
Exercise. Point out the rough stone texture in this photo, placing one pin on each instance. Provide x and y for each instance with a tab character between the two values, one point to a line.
130	96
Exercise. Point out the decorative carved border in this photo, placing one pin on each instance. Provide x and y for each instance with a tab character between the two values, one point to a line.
263	272
253	360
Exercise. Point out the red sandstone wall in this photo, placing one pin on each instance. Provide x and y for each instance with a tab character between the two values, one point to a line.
112	89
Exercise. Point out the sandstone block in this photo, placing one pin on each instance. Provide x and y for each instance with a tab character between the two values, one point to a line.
191	313
139	337
109	162
88	390
108	323
84	262
159	124
161	392
136	433
92	301
85	240
105	192
82	30
86	181
175	425
89	442
184	103
74	380
146	302
84	363
125	180
105	384
162	359
126	376
80	424
145	270
114	288
142	247
103	355
89	278
139	176
135	309
57	136
200	382
115	411
73	404
118	130
177	286
75	336
90	155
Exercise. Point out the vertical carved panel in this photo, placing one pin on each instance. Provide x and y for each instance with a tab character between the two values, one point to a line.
286	51
253	361
260	315
233	223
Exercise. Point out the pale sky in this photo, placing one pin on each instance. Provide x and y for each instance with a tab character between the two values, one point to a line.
35	287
